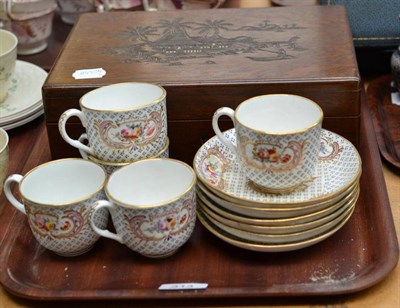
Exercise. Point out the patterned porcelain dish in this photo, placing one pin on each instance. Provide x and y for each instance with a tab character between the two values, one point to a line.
277	225
338	168
257	246
278	212
24	98
277	230
291	221
266	238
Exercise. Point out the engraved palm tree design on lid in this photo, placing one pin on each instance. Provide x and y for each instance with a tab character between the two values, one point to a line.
177	40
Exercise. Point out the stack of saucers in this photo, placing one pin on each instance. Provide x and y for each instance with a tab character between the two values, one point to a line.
24	100
234	210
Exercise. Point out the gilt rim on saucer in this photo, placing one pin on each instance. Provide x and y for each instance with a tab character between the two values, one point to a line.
264	238
284	212
267	220
282	229
23	121
274	207
255	246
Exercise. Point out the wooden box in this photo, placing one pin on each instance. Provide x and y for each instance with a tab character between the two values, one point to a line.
206	59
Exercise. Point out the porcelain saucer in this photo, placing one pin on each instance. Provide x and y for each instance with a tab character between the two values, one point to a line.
267	216
286	238
265	229
24	100
283	212
257	246
338	168
24	120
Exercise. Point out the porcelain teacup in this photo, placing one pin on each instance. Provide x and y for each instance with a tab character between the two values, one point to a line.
71	9
124	122
152	204
31	21
277	139
57	198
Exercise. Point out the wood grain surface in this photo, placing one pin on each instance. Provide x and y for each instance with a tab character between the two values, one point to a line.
29	148
386	118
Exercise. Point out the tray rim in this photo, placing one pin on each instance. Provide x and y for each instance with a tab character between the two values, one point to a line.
384	265
377	113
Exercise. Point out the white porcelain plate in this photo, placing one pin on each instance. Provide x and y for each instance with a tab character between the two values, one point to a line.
338	168
282	238
272	221
25	94
256	246
24	120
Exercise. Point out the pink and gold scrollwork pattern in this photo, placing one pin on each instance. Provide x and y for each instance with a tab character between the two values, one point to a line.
163	226
62	224
213	167
329	149
272	157
131	133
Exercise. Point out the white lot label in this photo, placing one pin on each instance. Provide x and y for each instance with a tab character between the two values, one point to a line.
183	286
396	98
89	73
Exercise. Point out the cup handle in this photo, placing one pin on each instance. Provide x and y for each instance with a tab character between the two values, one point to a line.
63	131
82	138
14	178
220	112
104	232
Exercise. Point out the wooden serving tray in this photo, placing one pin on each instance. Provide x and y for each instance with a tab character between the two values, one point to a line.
386	118
358	256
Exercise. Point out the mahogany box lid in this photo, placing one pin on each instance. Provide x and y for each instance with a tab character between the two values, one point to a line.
206	59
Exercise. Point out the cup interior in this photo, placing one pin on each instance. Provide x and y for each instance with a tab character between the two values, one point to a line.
63	182
279	114
150	182
8	42
3	139
123	96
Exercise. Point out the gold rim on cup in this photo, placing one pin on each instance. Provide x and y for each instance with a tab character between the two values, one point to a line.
61	204
188	189
276	95
153	102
